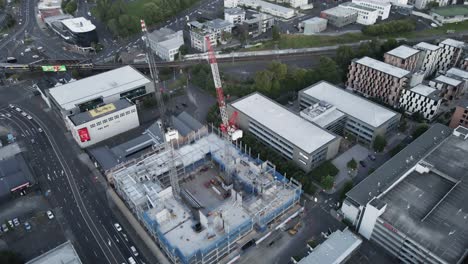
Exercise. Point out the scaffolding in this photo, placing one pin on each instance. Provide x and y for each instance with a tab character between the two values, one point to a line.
260	196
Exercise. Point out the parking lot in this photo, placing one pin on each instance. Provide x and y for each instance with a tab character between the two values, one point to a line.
42	234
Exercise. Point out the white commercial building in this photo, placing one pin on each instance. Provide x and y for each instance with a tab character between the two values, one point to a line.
91	92
422	99
297	3
383	7
313	25
235	15
214	30
451	54
340	111
291	135
231	3
63	253
366	15
269	8
96	125
414	205
422	4
166	43
430	57
338	248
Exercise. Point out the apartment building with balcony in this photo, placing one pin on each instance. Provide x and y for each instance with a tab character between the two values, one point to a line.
452	52
422	99
378	80
366	15
450	88
404	57
430	55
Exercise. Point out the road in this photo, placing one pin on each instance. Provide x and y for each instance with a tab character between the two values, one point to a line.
70	186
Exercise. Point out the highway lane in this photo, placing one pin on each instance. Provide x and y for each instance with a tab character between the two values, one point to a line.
97	223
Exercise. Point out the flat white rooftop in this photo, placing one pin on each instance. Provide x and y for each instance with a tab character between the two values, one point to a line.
267	6
373	2
453	43
64	253
283	122
101	85
426	46
340	11
458	72
336	249
350	104
448	80
403	52
79	25
383	67
423	90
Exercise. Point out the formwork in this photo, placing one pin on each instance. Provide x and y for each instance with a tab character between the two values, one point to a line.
261	195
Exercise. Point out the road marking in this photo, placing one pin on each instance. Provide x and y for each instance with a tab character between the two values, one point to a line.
95	253
86	238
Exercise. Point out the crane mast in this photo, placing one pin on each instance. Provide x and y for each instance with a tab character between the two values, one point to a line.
174	180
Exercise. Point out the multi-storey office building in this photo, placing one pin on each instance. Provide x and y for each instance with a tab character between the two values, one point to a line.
404	57
414	205
339	16
234	16
166	43
75	30
292	136
214	30
451	54
382	7
97	90
258	23
450	88
366	15
422	99
377	79
340	111
430	56
460	115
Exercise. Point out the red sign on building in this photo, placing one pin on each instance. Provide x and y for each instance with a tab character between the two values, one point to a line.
84	134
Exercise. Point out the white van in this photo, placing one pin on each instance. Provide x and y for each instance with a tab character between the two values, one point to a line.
131	260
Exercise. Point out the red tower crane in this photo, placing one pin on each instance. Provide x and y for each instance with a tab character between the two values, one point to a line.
228	125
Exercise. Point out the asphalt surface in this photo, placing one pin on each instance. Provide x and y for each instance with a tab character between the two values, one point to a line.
69	185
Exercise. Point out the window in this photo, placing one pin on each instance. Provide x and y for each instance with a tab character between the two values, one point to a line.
111	118
122	114
92	125
127	113
116	116
133	110
99	123
104	121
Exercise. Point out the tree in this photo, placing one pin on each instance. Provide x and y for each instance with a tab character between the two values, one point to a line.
328	70
352	164
278	69
327	182
71	7
183	49
346	188
344	55
418	117
419	130
432	4
379	143
2	4
152	13
275	33
403	125
10	257
263	81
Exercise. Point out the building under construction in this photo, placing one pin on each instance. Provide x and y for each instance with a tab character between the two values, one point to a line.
216	213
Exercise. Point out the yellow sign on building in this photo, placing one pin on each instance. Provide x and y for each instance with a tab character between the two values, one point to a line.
102	110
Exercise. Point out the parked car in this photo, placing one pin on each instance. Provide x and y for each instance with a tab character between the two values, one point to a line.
4	228
29	117
16	222
371	157
117	227
27	226
35	56
39	129
18	109
50	215
10	223
363	164
23	114
134	251
8	115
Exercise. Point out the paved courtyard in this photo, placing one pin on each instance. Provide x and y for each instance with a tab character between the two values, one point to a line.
357	152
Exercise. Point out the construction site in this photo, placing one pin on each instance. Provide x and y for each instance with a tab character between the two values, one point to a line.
227	199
